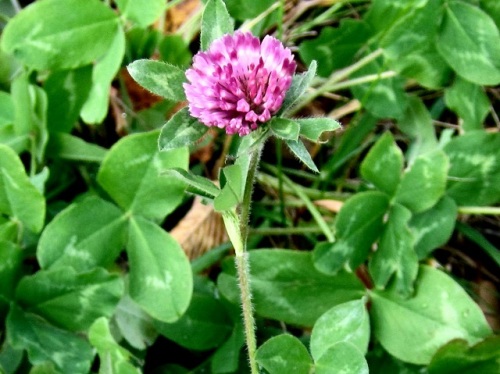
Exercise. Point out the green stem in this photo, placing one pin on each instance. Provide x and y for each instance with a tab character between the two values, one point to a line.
33	161
480	240
327	231
247	26
171	4
191	26
242	260
247	193
237	229
163	17
161	21
485	210
344	73
270	231
361	80
279	161
311	193
16	6
233	224
281	13
290	202
335	78
246	306
210	258
326	16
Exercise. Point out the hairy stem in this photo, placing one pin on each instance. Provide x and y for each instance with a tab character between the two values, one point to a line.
237	229
247	309
232	223
247	194
242	260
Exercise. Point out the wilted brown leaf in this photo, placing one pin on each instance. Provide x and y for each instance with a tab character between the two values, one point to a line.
139	96
489	302
118	112
331	205
178	14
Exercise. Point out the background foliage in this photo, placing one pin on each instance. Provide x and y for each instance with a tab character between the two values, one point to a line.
392	262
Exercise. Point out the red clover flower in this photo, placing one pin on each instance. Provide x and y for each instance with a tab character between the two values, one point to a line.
239	83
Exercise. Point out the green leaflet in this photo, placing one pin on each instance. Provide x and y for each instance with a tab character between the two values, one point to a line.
180	131
247	9
469	101
232	180
96	107
76	236
424	183
414	27
68	352
300	83
30	115
286	286
67	91
11	258
19	198
407	31
342	357
159	77
348	322
226	357
7	109
434	227
335	47
457	356
474	175
132	174
135	325
462	44
299	149
215	22
160	275
70	147
384	98
142	12
314	128
358	226
417	124
195	184
284	353
204	325
113	357
10	359
413	329
425	65
285	128
395	257
174	50
69	299
44	34
383	164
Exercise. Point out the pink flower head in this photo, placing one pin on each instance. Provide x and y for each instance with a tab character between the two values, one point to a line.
239	83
